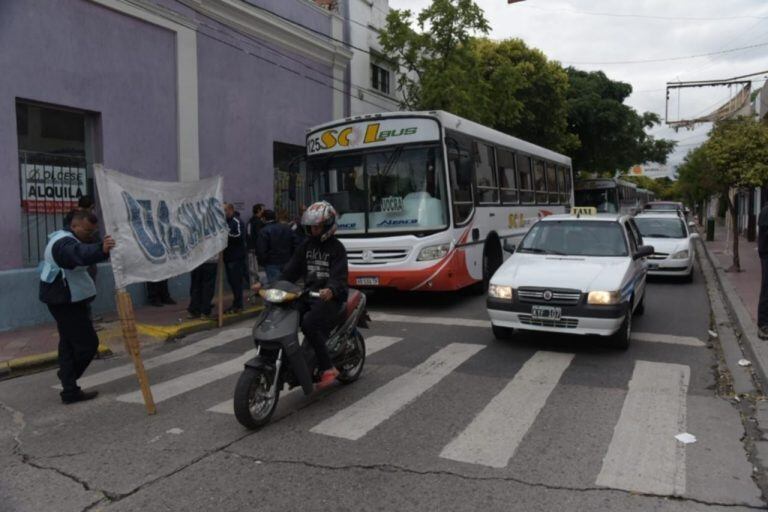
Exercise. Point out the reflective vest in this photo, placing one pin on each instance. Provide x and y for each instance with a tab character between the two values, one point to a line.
79	282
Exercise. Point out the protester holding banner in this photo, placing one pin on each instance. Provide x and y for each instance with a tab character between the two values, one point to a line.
67	288
234	258
202	286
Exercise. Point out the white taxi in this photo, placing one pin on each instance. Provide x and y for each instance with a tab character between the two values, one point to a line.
573	274
672	242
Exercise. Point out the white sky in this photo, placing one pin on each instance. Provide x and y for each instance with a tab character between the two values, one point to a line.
606	34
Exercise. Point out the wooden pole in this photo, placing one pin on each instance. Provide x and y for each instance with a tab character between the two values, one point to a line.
220	288
131	340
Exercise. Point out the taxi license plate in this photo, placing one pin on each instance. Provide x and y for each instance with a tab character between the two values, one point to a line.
367	281
546	312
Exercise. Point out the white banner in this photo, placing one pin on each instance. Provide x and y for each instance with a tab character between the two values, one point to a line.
161	229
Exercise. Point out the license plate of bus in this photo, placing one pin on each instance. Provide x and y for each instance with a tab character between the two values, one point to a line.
367	281
546	312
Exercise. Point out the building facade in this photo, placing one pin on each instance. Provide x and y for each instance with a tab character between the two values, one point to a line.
161	89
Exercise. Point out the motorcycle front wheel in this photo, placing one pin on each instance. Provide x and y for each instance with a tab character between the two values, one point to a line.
253	405
351	370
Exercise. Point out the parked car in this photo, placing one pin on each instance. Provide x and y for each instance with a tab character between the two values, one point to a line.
574	274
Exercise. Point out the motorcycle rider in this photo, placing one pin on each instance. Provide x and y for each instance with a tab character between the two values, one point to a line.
321	261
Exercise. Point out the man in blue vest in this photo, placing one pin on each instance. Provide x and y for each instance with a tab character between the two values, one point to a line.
67	289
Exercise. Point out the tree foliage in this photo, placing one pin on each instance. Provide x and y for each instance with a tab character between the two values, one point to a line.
612	134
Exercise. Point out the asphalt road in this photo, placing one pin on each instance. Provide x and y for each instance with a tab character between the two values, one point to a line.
444	418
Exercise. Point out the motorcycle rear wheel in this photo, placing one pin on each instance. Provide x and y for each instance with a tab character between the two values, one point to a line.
253	409
351	371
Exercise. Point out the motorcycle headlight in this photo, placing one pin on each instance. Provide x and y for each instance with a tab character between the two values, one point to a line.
500	292
277	296
601	298
680	255
433	252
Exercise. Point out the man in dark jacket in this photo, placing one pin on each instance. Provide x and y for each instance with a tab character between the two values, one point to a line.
255	223
762	250
321	261
275	245
234	258
67	289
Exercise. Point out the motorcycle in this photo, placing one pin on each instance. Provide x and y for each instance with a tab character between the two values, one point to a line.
282	359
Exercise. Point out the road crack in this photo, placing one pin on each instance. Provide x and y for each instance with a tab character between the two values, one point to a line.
394	468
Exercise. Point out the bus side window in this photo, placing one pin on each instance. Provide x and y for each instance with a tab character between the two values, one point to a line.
552	183
525	179
507	176
460	165
561	186
540	181
485	174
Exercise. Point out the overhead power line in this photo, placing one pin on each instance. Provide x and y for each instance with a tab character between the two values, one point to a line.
669	59
644	16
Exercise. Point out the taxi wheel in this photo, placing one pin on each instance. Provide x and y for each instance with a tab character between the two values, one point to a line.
502	333
620	340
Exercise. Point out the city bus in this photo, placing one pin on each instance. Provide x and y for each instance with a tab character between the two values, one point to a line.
428	200
607	195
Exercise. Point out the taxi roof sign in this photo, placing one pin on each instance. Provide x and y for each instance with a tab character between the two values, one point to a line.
584	210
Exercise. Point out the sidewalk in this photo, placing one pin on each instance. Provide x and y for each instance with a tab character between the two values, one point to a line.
741	291
34	347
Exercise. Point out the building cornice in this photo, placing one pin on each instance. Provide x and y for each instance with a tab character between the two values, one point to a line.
264	25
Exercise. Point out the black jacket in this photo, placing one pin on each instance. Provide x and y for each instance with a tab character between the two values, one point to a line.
254	226
235	250
69	253
762	233
321	264
276	244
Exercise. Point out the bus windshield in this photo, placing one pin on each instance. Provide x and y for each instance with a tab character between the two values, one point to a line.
393	189
604	199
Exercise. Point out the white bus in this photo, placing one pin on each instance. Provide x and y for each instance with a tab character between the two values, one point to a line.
607	195
426	200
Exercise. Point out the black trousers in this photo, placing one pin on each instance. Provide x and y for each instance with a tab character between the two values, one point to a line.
201	289
78	343
236	271
158	292
762	305
318	320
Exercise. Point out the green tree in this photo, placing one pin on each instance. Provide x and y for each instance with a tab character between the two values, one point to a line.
612	135
737	156
504	85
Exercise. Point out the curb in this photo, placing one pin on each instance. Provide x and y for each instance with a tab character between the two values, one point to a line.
754	347
38	360
185	328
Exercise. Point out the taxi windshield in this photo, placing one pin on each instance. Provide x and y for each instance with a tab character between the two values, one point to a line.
575	238
661	228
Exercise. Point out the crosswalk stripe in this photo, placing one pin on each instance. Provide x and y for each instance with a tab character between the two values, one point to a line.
372	345
668	338
119	372
494	435
171	388
644	455
358	419
465	322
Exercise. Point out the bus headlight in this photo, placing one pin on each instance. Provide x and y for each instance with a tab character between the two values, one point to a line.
680	255
433	252
500	292
603	298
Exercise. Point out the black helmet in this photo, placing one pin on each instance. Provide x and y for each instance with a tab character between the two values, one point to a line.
323	214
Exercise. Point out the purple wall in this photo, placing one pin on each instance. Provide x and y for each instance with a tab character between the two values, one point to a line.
77	54
246	104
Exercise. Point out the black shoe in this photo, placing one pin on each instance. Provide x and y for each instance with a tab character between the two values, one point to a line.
169	301
762	333
232	311
81	396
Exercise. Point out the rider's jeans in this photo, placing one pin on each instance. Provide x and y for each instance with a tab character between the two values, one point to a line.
317	322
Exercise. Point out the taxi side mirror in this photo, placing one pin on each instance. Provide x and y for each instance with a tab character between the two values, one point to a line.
643	251
508	246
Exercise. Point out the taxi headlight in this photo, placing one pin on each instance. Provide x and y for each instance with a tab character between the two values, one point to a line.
433	252
500	292
603	298
275	295
680	255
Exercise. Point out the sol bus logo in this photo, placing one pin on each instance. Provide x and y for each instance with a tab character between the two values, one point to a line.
347	137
